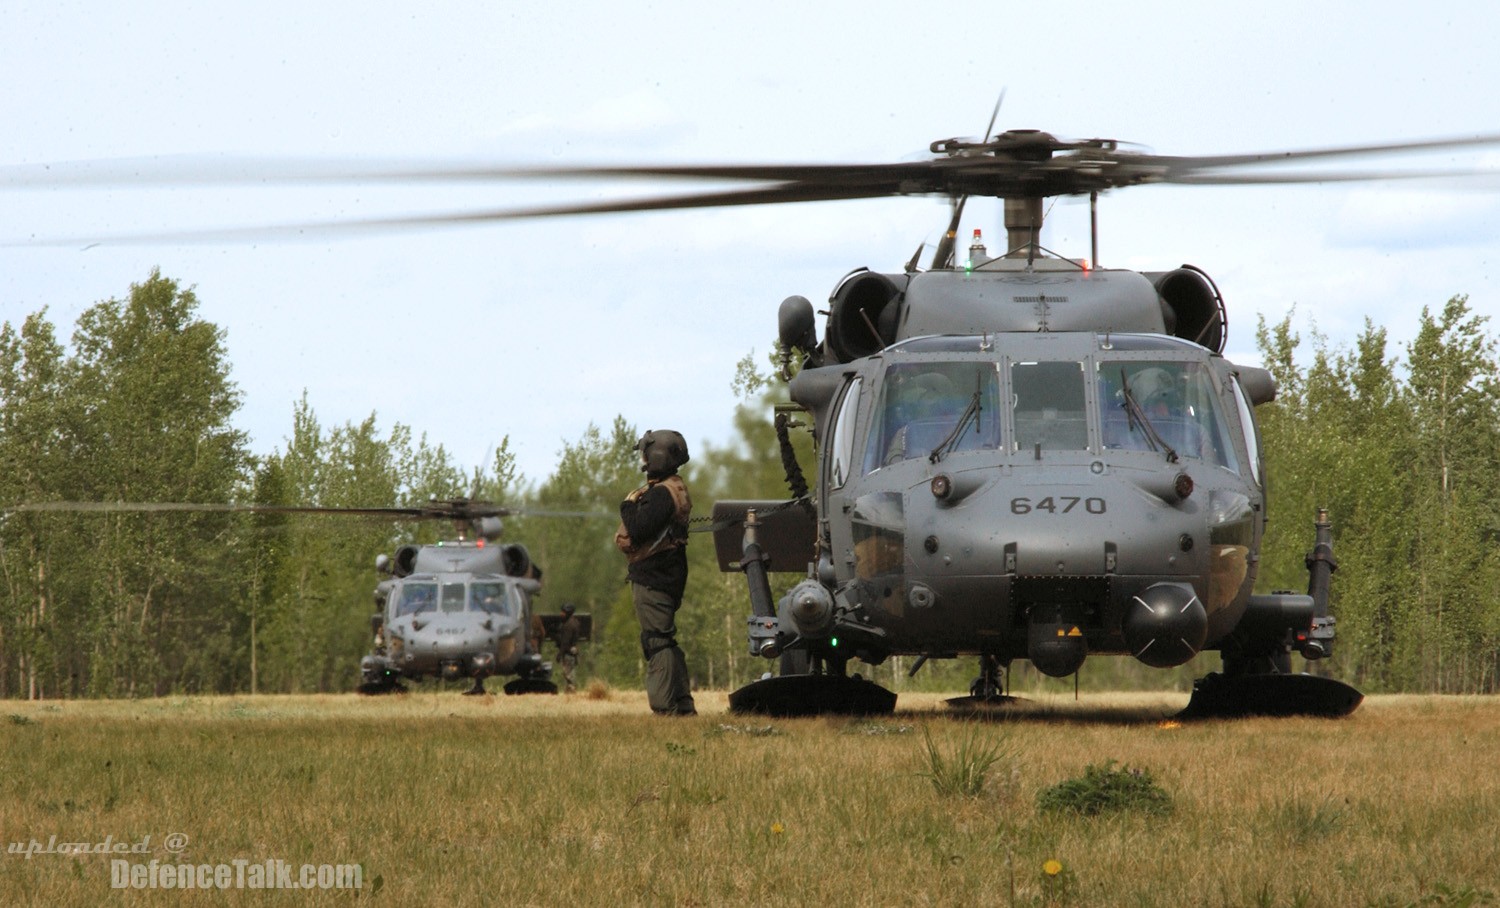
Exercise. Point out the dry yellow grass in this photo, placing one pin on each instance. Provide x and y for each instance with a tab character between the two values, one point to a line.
444	799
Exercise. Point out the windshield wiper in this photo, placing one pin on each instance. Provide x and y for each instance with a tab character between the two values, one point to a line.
970	414
1135	413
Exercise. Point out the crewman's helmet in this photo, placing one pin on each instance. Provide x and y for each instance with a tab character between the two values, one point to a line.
662	451
1152	386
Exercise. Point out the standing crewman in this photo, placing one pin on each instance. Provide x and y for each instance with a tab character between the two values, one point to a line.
653	534
569	630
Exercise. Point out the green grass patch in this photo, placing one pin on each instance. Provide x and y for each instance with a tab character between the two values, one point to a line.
1105	789
963	768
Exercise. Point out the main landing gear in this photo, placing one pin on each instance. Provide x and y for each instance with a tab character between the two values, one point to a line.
812	686
988	690
1257	678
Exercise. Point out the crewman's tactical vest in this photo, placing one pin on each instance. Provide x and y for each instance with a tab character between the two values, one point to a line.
674	535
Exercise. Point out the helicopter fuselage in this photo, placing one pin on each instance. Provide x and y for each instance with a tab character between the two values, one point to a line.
455	610
1037	495
456	625
979	495
1024	458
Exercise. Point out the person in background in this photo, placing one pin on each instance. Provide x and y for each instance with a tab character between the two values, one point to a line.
567	634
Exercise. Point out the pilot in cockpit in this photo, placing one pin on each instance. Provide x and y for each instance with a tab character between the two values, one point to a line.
921	406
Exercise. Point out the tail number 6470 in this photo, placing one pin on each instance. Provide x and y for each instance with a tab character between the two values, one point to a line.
1058	504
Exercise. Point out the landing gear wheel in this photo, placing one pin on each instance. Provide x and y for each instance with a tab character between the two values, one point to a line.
477	690
1226	696
988	690
374	686
812	695
530	686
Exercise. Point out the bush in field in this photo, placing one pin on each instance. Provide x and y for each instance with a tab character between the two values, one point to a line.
1103	789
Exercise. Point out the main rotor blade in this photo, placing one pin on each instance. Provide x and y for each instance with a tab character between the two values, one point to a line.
455	509
776	194
1347	151
116	507
547	512
232	171
1015	164
1323	176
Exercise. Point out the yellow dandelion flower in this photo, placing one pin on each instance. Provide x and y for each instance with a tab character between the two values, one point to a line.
1053	867
777	829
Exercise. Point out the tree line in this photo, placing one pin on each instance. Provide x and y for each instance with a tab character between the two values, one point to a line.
1404	451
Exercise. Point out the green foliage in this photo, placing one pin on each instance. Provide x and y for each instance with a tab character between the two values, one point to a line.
1409	468
1105	789
963	770
135	604
579	560
113	603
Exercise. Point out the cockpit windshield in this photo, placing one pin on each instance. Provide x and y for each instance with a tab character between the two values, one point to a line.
1049	407
1145	406
491	598
416	597
930	406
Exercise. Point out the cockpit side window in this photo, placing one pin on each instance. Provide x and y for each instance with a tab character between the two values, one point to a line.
416	597
1147	404
490	598
843	437
925	406
1048	406
1247	426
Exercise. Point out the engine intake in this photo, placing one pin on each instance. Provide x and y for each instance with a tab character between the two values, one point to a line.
866	310
1192	306
406	560
516	559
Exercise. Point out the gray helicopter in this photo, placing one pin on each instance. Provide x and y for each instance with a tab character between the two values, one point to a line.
461	608
1041	490
1025	456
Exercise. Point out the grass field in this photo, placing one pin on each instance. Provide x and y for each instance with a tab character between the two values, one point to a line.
448	800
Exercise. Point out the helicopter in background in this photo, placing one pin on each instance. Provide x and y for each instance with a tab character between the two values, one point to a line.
461	608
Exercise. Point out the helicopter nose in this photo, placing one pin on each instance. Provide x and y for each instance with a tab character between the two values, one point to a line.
449	641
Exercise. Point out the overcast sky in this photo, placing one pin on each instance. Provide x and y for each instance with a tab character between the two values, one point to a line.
535	329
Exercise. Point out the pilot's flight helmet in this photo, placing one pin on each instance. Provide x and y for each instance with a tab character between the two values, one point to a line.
924	395
662	451
1151	385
